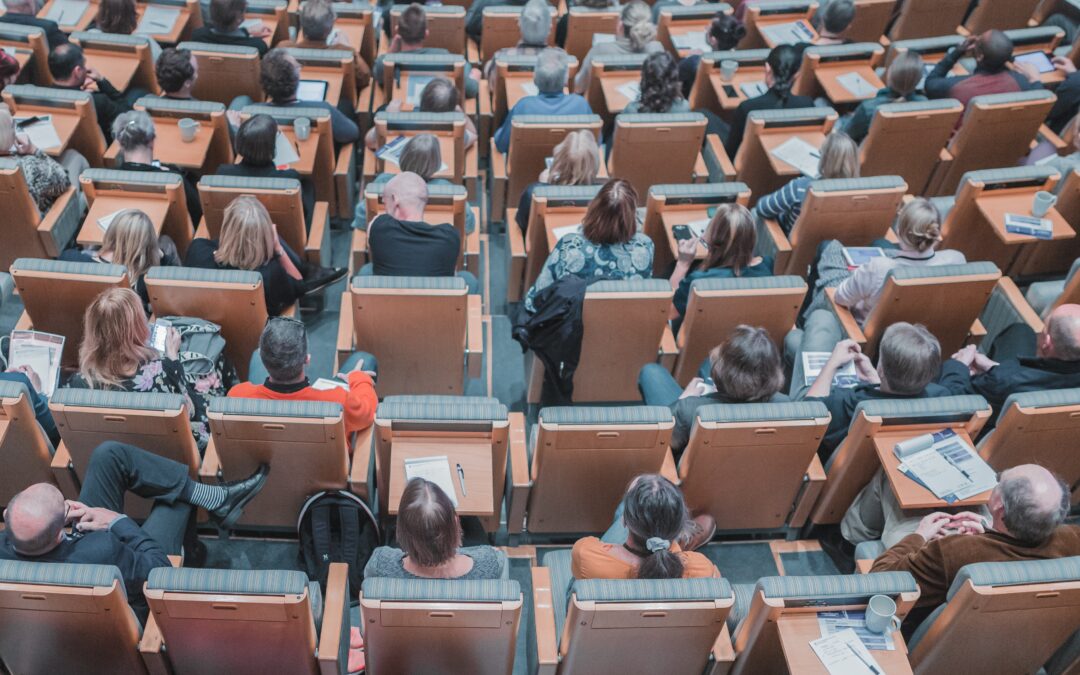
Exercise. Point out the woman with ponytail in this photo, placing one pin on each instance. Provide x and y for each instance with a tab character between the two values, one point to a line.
781	67
647	540
634	34
723	34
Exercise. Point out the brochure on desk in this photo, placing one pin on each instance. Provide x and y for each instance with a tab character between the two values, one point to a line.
945	464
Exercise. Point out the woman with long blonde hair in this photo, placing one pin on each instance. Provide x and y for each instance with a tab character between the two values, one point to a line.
634	34
575	161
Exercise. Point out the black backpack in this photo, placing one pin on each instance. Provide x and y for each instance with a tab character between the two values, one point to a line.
336	526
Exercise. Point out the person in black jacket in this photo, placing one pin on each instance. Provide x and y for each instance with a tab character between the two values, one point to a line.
23	12
101	535
67	64
224	27
1019	360
1067	104
255	143
781	67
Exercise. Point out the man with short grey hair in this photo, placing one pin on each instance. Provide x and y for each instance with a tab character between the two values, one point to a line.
282	361
549	78
535	26
317	31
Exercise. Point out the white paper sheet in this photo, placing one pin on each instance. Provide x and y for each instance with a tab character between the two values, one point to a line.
857	85
561	232
323	384
813	362
41	133
157	20
105	221
799	154
251	24
631	90
694	40
946	465
698	227
844	654
416	87
530	88
284	151
41	352
67	12
434	469
787	33
854	619
754	89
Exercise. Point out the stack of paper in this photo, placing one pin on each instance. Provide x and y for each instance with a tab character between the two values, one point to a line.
157	20
946	465
844	654
1040	228
284	151
754	89
67	12
631	90
788	33
434	469
251	24
561	232
854	619
41	352
857	85
813	362
39	130
694	40
416	87
530	88
799	154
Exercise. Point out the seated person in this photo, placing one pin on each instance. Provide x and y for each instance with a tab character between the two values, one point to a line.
832	20
177	70
781	69
634	34
660	90
1066	164
609	245
550	80
67	65
729	243
909	359
32	381
1028	508
422	156
438	96
919	230
723	34
120	18
283	353
102	535
901	81
115	356
746	368
1068	96
839	159
993	52
563	24
652	537
409	38
535	26
135	134
256	141
24	13
46	179
249	241
131	241
574	161
280	79
317	32
9	69
1019	360
474	15
224	27
429	533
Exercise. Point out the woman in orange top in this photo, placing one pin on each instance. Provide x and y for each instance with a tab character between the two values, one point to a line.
656	516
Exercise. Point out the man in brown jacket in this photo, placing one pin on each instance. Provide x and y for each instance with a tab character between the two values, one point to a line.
1027	507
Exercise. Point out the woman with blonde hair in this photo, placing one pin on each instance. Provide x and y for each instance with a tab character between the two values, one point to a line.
575	161
634	34
901	80
132	242
839	159
249	241
115	354
46	179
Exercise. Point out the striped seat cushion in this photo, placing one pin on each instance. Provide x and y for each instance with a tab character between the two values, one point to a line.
724	413
233	582
629	286
26	93
848	184
267	408
250	183
220	49
1016	174
287	115
442	409
747	283
362	281
651	590
204	276
441	590
11	389
837	586
87	37
807	115
556	119
659	118
67	267
162	178
131	400
59	574
740	55
152	103
935	271
705	192
1054	398
1016	573
631	414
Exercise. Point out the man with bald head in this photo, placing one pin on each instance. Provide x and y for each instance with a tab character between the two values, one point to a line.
1020	360
1027	509
994	72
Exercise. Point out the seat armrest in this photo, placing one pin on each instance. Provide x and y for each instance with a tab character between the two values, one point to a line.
669	348
64	473
345	180
518	257
152	649
317	248
64	215
358	251
345	324
1044	133
813	484
335	626
847	321
361	464
474	335
175	560
211	464
669	469
719	166
773	242
520	482
723	653
977	333
547	642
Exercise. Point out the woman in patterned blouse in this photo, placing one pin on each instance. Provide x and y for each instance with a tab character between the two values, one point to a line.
608	246
45	177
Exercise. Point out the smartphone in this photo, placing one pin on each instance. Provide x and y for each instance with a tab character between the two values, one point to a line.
158	332
1038	59
731	91
682	232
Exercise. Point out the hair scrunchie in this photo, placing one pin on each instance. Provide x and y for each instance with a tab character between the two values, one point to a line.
656	544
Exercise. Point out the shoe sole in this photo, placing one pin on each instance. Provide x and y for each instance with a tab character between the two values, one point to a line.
234	515
328	282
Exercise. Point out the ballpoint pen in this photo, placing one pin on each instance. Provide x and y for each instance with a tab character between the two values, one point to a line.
461	479
956	466
866	663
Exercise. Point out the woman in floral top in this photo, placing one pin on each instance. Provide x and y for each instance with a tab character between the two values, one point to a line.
608	247
115	355
46	178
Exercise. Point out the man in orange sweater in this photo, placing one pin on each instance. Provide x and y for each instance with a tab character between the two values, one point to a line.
283	350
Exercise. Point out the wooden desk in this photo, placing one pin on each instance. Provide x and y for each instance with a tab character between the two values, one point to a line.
516	84
474	456
84	21
169	148
557	219
688	28
117	68
306	149
741	77
681	216
63	121
610	83
765	22
771	141
909	494
993	208
173	36
798	630
91	233
838	93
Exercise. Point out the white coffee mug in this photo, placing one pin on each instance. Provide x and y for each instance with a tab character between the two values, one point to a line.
728	68
881	615
302	128
188	129
1043	202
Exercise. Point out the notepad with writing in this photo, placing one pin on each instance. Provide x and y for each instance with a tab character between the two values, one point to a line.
157	20
694	40
844	653
631	90
799	154
434	469
67	12
1040	228
561	232
754	89
40	130
857	85
813	362
791	33
945	464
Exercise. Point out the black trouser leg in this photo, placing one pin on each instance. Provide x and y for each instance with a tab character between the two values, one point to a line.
1016	341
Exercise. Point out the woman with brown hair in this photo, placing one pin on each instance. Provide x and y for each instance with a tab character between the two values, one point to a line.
901	81
115	355
608	246
729	242
429	534
575	161
120	18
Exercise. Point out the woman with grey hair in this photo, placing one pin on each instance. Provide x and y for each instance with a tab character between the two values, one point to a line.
45	178
134	132
535	26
